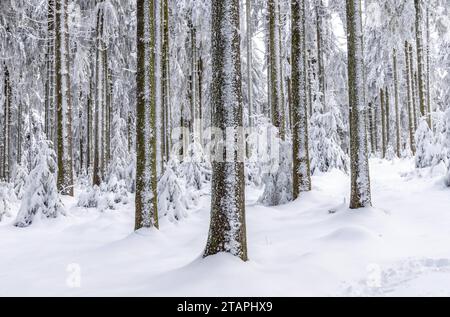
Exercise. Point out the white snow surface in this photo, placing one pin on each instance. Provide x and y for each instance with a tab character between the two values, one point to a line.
398	247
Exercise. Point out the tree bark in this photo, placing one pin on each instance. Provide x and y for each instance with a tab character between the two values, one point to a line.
320	60
409	101
7	127
227	232
397	112
165	80
388	117
146	175
50	70
413	88
276	87
63	101
248	15
428	71
302	171
419	47
360	180
383	124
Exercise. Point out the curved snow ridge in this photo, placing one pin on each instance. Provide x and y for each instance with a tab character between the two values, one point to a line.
410	277
350	233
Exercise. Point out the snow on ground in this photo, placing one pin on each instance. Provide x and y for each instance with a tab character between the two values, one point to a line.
314	246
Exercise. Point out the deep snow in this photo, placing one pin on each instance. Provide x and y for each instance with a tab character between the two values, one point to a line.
313	246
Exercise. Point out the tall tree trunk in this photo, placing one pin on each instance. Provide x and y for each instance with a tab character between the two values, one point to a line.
373	110
165	79
302	171
63	101
200	96
310	76
360	180
276	87
50	70
248	15
419	47
19	133
227	232
99	101
409	101
107	120
383	124
7	126
146	175
388	117
89	126
320	60
413	88
371	128
417	97
195	106
397	112
428	71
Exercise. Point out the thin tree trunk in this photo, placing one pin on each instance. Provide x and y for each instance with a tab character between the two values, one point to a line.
397	112
99	94
383	124
374	127
419	47
320	61
19	133
388	117
89	127
428	71
7	126
409	101
165	94
248	15
417	97
50	68
310	72
413	88
371	128
302	171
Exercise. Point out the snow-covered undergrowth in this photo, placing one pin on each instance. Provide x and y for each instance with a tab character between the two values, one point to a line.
106	196
313	246
7	197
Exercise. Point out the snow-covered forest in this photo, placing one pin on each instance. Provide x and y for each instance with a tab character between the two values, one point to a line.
224	147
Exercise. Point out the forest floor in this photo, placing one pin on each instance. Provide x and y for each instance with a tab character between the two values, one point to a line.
313	246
